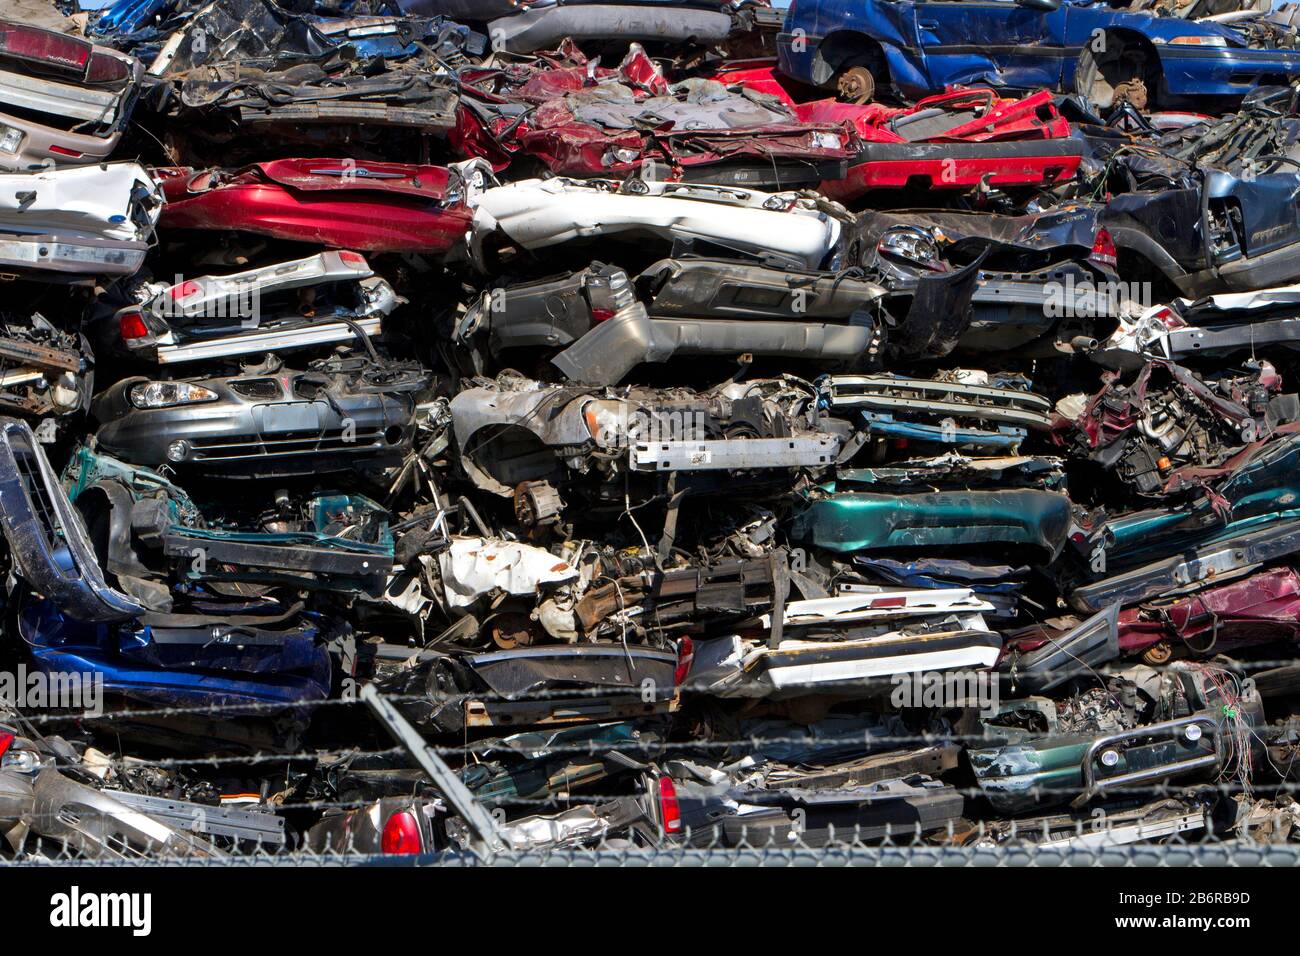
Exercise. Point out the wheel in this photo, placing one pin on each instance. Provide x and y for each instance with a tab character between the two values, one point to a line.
856	85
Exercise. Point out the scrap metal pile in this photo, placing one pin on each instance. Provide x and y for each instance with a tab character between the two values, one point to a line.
435	426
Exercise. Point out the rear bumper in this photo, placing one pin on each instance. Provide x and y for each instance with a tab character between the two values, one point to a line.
957	166
42	144
260	340
70	255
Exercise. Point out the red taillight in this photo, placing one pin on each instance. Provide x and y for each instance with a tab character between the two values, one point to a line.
889	602
354	259
685	657
401	834
670	811
44	46
600	315
105	68
132	326
6	741
1169	319
64	151
186	290
1103	249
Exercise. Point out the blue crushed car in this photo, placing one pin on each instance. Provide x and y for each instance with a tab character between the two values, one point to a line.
1072	46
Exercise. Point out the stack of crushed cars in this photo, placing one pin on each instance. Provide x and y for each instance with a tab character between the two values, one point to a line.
474	426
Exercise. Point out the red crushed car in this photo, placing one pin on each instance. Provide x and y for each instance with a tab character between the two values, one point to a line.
959	139
336	203
580	119
1261	609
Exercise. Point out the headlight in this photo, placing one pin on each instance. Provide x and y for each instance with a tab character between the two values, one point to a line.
10	139
912	244
21	761
167	394
1199	41
607	422
619	155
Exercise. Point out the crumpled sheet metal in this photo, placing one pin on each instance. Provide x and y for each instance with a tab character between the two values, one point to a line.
582	596
474	567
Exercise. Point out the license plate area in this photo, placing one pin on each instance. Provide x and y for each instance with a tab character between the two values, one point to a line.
292	417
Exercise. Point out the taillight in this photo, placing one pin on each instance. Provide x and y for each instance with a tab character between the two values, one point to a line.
132	326
6	741
685	657
64	151
105	68
354	259
401	834
600	315
44	46
887	602
1168	318
670	811
185	290
1103	249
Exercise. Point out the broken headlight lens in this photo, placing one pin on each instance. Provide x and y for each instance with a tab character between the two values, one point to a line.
167	394
10	139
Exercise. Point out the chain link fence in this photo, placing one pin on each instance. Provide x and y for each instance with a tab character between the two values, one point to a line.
1241	811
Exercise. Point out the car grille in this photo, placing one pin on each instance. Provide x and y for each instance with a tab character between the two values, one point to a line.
288	445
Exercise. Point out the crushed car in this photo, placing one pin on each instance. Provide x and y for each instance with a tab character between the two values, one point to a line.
438	432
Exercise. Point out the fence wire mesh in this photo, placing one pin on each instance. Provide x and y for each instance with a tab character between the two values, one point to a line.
757	790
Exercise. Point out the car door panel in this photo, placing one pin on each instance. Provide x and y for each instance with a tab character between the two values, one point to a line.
990	41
